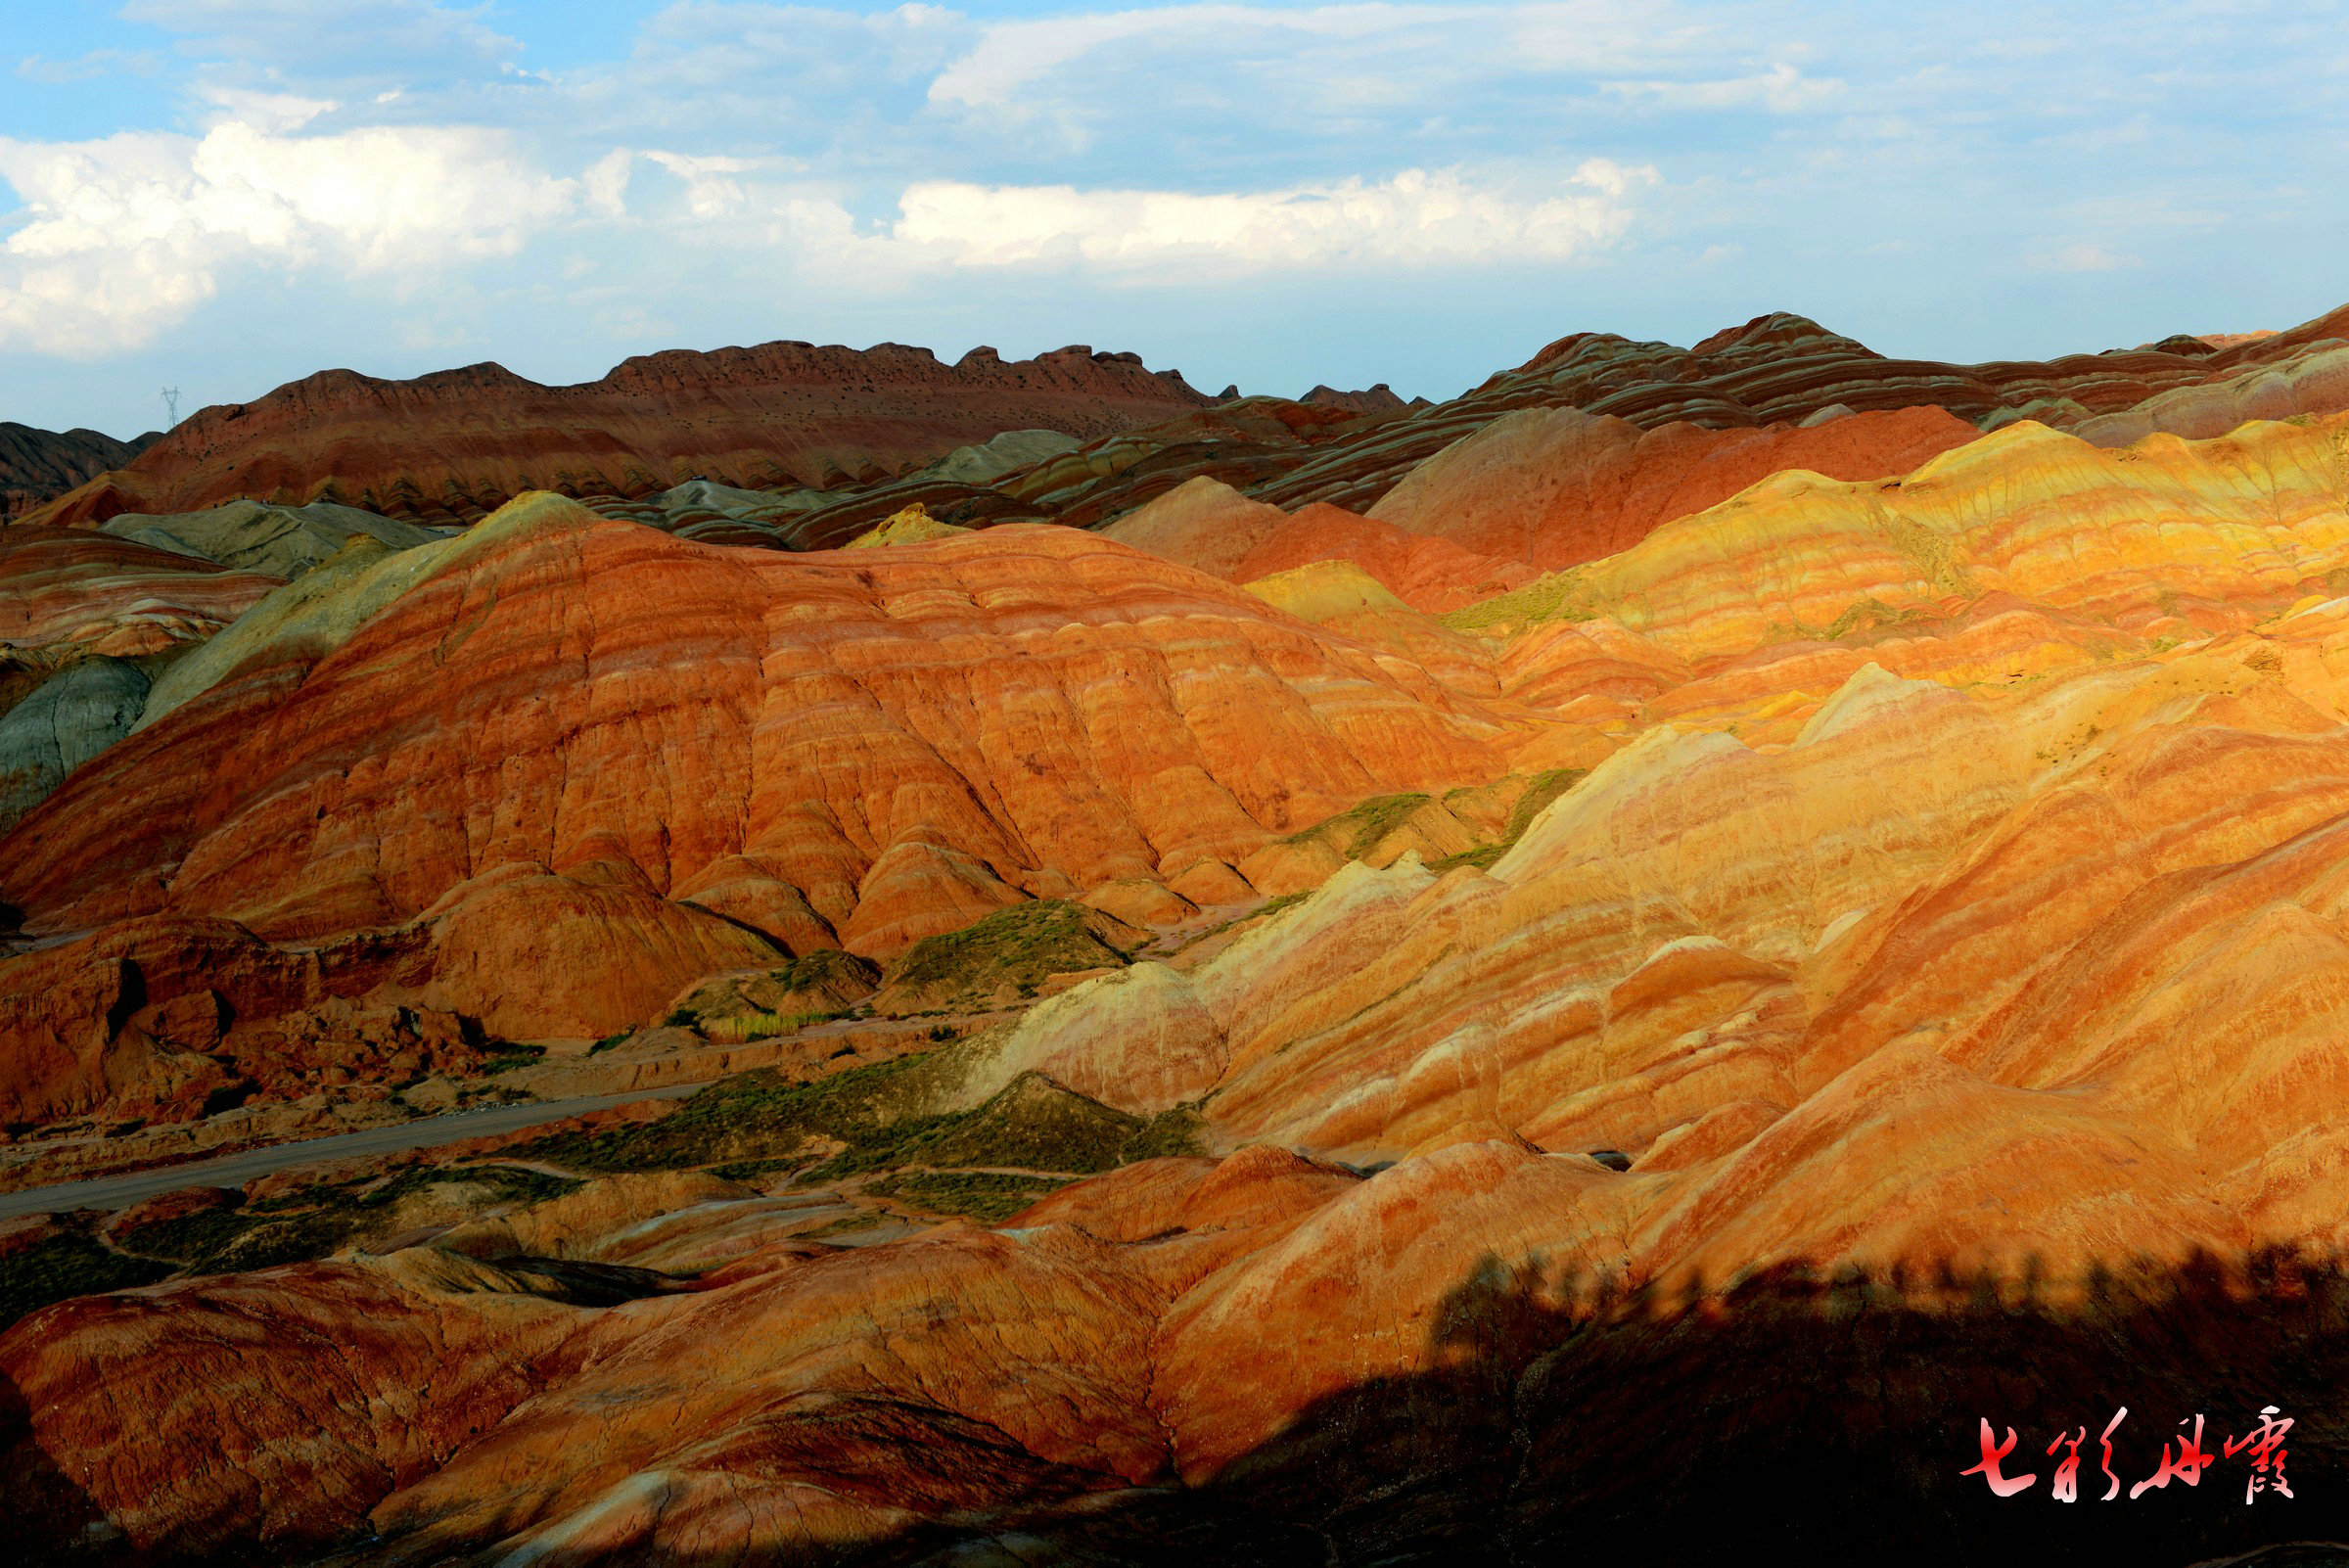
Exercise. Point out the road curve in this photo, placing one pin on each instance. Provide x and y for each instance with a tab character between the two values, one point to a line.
113	1192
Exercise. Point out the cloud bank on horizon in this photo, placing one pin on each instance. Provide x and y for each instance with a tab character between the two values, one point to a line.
229	193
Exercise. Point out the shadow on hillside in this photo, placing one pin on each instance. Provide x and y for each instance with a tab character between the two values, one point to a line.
43	1504
1789	1417
1823	1420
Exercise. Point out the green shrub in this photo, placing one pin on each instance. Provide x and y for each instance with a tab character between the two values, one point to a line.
314	1220
64	1265
979	1195
1019	946
753	1116
1546	787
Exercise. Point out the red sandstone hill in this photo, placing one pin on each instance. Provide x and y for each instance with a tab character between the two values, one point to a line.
458	443
36	465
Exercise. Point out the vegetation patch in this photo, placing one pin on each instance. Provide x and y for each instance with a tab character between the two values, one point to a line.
1553	596
1547	786
761	1026
1868	614
863	1220
63	1265
1033	1124
873	1119
1481	857
1355	832
981	1195
756	1116
1171	1134
1262	911
825	967
316	1220
1006	956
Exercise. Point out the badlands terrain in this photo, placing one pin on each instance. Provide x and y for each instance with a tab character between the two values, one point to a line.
1611	966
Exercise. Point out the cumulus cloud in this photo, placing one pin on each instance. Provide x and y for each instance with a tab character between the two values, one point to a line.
122	237
1415	218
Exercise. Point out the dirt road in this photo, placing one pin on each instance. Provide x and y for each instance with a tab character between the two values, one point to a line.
113	1192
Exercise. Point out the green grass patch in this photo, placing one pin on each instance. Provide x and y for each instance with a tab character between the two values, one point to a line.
755	1116
752	1172
746	1027
316	1220
1553	596
980	1195
1481	857
64	1265
1375	819
749	1026
824	966
509	1055
608	1041
1262	911
1018	947
847	1223
1364	824
1032	1124
1547	786
874	1119
1173	1131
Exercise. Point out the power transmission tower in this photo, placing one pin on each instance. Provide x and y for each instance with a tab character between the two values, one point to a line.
172	405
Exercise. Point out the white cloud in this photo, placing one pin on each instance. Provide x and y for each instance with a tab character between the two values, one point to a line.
1415	218
605	182
120	238
88	67
265	111
1011	55
2078	256
1781	89
350	37
711	191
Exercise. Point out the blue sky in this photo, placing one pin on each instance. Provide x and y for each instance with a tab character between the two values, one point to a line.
224	194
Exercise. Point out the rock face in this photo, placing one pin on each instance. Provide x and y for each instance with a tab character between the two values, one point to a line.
454	445
65	591
1555	486
531	745
1785	369
68	719
800	691
279	541
38	465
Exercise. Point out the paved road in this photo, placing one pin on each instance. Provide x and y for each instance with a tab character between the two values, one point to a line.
235	1170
